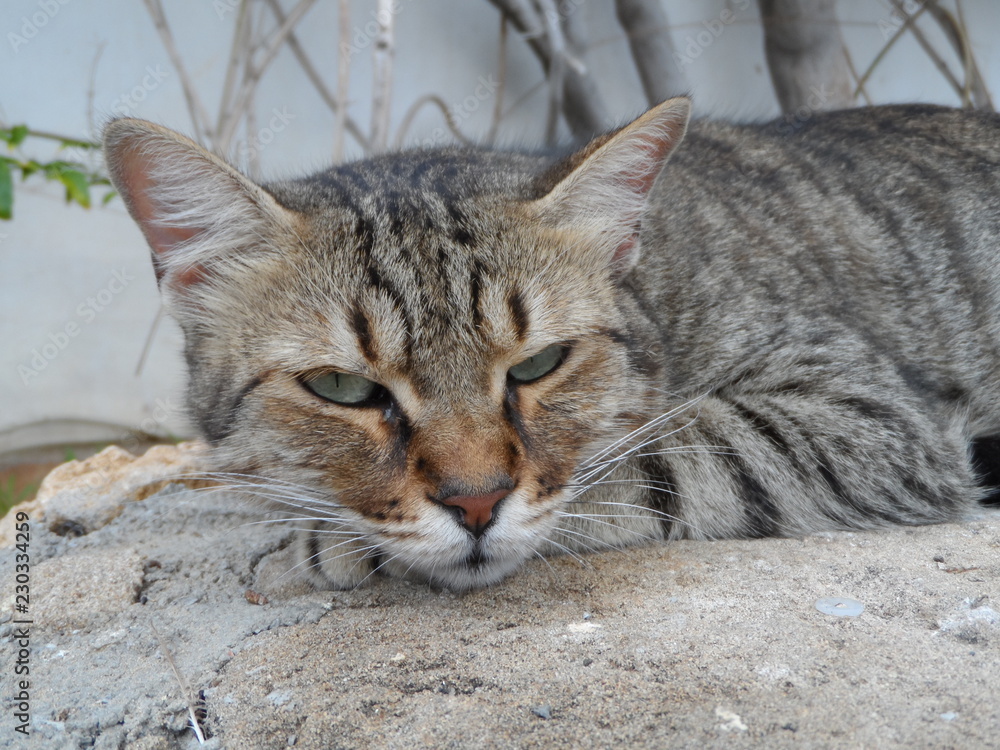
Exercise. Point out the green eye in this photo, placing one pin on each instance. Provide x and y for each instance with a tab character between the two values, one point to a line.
541	364
343	388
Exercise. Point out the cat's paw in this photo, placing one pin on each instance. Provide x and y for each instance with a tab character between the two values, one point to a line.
328	561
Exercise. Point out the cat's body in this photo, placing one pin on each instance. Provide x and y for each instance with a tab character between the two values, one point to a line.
446	361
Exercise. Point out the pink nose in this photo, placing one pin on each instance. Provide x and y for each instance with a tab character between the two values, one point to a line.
476	510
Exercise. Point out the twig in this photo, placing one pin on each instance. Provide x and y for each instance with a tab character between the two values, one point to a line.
343	79
255	71
199	116
854	74
491	135
383	49
334	103
185	688
438	102
907	22
974	92
237	53
91	126
253	163
942	66
582	107
64	139
153	327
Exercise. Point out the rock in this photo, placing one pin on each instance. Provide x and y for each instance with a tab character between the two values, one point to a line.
78	497
84	591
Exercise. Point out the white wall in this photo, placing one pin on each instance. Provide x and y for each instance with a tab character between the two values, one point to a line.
55	258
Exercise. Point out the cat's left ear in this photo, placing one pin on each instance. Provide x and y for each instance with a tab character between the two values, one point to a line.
604	195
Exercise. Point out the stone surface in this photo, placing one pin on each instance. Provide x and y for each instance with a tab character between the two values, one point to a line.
80	496
695	644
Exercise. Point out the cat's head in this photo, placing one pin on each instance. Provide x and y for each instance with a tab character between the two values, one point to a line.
417	352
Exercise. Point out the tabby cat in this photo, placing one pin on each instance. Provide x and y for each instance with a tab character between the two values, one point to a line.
446	361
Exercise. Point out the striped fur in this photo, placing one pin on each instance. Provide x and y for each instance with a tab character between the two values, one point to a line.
789	329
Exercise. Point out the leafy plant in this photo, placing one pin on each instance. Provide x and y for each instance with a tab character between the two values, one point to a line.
77	178
10	496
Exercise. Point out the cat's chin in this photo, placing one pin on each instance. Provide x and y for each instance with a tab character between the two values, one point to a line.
463	576
472	573
458	564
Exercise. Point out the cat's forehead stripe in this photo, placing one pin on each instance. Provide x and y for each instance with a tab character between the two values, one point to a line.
362	330
518	314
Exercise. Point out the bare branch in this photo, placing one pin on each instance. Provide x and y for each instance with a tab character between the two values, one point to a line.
310	70
199	115
501	82
974	92
383	50
91	125
907	22
582	107
557	68
805	54
343	78
859	84
438	102
932	53
254	72
648	33
239	51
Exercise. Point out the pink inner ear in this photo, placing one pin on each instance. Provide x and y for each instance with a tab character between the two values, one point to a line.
654	153
623	254
163	239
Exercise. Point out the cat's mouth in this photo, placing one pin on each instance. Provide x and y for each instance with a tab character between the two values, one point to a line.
477	558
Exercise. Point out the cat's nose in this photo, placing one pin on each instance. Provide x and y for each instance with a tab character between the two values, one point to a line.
475	511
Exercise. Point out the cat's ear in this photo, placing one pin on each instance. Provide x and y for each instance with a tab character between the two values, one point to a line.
196	211
604	194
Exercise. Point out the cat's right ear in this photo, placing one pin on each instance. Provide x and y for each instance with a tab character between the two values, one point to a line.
603	197
195	210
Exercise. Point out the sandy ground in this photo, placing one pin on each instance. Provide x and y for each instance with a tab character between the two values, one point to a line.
722	644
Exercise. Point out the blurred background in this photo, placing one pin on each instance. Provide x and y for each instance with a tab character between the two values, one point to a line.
284	87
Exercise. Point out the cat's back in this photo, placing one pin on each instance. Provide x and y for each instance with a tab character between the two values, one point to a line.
883	220
906	133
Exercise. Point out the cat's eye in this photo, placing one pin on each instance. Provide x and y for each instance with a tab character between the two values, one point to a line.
540	364
344	388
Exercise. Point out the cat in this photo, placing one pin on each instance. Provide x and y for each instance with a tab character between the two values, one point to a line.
447	361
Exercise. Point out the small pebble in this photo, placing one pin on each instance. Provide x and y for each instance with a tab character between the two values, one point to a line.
840	606
254	597
542	712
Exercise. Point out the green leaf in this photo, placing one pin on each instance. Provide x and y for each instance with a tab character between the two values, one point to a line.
17	134
29	167
73	143
77	187
108	197
6	191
